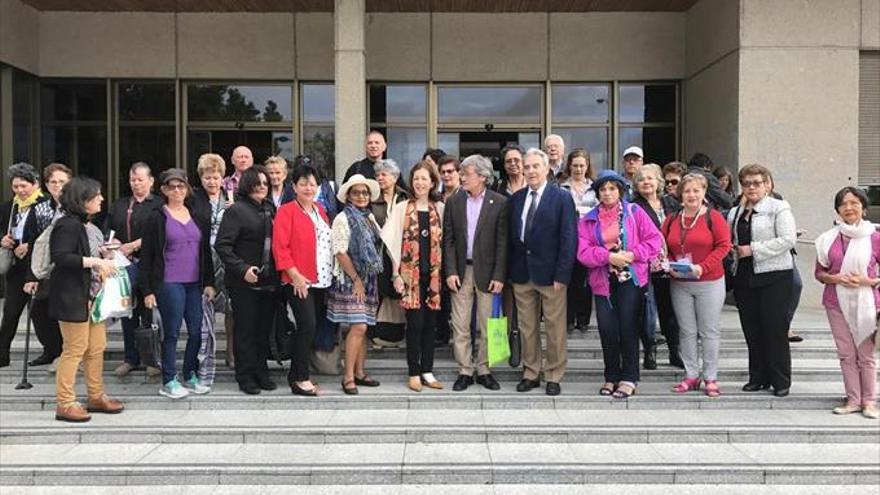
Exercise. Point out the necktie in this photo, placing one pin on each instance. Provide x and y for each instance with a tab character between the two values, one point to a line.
530	216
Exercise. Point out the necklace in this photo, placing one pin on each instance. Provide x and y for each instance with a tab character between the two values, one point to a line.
685	228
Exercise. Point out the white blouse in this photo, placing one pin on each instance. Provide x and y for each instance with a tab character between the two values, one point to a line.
323	250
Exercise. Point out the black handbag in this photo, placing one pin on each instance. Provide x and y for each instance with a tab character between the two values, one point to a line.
148	338
515	347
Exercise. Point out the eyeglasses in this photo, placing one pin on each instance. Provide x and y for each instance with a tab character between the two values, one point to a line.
179	186
673	182
358	192
263	183
751	183
513	160
447	172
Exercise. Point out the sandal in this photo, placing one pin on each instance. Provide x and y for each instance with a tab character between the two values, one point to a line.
712	389
687	385
349	390
624	390
607	389
366	381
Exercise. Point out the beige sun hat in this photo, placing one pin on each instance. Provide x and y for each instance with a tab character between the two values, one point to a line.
354	180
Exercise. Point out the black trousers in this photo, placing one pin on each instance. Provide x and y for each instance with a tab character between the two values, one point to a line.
420	325
15	302
580	297
47	330
254	313
444	331
665	312
765	326
308	313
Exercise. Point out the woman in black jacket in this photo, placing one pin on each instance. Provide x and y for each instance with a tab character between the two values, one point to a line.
175	271
76	280
244	245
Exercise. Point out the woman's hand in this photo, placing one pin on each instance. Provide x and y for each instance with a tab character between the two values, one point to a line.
30	287
697	270
209	292
846	280
617	259
150	301
399	286
21	250
360	292
861	279
105	268
252	275
744	251
7	241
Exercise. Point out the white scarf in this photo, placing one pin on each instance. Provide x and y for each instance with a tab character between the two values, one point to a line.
857	304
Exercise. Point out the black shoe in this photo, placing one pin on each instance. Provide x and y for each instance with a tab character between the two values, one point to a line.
659	340
675	357
366	381
265	383
795	338
250	388
488	381
755	387
781	392
651	357
525	385
296	390
553	388
571	327
462	383
4	361
41	360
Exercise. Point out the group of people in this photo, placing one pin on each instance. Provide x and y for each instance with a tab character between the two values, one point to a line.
425	260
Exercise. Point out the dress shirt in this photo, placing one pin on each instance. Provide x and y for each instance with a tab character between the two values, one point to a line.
474	205
528	204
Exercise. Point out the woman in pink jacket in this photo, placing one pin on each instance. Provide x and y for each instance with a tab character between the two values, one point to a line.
616	240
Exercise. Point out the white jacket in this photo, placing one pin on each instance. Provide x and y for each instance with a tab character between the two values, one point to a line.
773	235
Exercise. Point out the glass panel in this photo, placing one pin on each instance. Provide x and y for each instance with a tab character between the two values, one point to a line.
658	143
448	142
486	105
405	146
319	142
580	104
647	103
73	101
23	96
262	144
397	104
594	139
214	102
83	148
154	145
318	103
146	102
529	140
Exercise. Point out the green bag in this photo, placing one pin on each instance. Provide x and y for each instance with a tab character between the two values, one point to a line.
114	298
496	333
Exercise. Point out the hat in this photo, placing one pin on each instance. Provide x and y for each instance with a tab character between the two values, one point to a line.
608	176
354	180
633	150
172	174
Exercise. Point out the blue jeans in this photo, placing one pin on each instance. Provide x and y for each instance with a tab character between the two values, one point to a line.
649	323
179	302
796	288
620	320
129	324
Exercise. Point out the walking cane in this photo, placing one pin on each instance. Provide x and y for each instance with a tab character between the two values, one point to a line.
24	385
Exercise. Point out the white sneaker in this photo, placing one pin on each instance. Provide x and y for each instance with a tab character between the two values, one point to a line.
173	390
195	386
53	366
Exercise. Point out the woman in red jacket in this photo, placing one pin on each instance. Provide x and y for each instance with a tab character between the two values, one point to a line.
303	255
698	240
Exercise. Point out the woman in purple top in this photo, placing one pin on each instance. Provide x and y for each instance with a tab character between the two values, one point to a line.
846	262
616	240
176	269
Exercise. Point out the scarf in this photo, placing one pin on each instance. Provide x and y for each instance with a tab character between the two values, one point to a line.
410	256
362	247
24	204
857	304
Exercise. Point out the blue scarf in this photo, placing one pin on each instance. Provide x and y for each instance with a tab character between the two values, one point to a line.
363	246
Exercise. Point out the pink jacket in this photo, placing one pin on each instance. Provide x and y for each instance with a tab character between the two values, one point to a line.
643	239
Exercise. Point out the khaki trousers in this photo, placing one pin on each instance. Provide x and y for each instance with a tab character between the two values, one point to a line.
530	300
84	342
462	304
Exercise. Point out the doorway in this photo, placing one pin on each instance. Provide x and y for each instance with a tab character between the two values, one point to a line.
487	143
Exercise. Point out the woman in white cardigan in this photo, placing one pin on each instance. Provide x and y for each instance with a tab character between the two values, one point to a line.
764	233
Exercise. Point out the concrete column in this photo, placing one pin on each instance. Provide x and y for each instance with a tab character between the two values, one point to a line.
350	76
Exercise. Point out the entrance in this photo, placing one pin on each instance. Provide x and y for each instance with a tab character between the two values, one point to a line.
487	143
263	143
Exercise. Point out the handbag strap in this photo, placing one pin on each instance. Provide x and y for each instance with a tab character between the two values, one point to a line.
11	214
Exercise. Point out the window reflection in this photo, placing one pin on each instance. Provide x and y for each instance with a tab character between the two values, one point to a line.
84	148
318	103
214	102
146	102
405	146
647	103
62	101
319	142
151	144
580	104
398	104
594	139
489	104
658	143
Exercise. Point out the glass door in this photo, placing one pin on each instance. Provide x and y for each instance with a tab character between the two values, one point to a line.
487	143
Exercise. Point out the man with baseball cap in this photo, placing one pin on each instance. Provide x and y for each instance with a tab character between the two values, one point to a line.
633	159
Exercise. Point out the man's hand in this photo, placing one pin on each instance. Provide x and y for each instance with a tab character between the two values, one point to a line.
453	282
495	287
558	286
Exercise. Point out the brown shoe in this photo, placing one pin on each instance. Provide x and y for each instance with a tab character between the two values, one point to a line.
415	384
104	404
72	413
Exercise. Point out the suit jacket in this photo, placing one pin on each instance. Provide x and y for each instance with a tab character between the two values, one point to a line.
69	290
490	239
547	255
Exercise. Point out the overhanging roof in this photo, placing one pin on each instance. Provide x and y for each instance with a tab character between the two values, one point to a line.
371	5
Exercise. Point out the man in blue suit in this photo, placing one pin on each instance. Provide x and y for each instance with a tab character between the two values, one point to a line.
542	241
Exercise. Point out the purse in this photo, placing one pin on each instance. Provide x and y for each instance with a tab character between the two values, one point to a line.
513	338
148	338
6	254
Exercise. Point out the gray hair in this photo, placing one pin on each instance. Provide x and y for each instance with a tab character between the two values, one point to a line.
539	153
23	171
482	167
554	136
388	166
658	173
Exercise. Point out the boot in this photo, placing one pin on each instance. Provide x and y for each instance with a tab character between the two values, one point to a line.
674	357
651	357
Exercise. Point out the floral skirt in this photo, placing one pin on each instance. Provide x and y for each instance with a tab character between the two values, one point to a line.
342	307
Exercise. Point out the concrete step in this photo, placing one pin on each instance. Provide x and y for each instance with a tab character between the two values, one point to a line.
394	394
439	426
409	463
